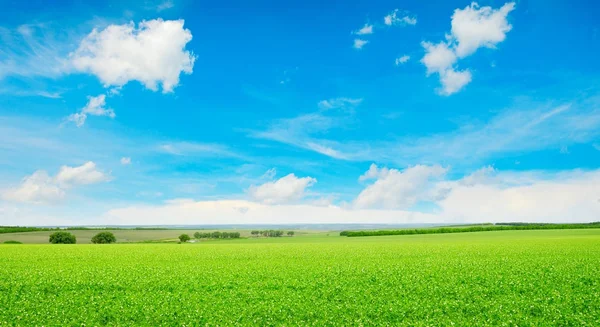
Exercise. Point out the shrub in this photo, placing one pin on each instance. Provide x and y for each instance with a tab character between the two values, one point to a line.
290	233
104	238
184	237
62	238
12	242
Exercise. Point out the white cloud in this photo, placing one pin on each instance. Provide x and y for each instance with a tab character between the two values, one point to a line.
196	149
438	57
125	161
153	54
336	103
36	188
395	189
284	190
365	30
81	175
40	188
569	196
453	81
359	43
94	107
402	60
228	212
165	5
33	50
396	18
475	27
472	28
269	174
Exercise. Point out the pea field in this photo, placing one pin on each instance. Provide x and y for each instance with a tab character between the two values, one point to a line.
503	278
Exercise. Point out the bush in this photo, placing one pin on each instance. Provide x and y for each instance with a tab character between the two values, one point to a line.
62	238
290	233
104	238
12	242
184	237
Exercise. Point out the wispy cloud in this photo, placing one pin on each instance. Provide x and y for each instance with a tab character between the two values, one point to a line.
34	50
525	127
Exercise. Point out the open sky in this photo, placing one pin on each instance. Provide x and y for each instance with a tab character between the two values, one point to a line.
186	112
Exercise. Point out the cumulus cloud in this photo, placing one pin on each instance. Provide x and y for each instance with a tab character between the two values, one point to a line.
365	30
40	187
359	43
395	189
36	188
398	18
94	107
453	81
473	27
402	60
153	54
284	190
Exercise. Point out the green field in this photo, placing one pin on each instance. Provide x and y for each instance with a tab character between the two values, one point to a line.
129	236
505	278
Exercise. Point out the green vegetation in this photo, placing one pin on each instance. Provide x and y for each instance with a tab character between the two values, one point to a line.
104	238
184	238
510	278
216	234
267	233
474	228
22	229
19	229
12	242
62	238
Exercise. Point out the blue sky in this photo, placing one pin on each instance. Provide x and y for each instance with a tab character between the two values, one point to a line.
157	112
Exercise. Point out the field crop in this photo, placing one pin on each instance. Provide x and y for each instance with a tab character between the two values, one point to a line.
507	278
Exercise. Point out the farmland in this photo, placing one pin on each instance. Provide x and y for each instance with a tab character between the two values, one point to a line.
503	278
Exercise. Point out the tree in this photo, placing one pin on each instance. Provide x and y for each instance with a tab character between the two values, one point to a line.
290	233
104	238
184	238
254	233
197	235
62	238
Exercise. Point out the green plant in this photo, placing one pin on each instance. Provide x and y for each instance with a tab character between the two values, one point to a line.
104	238
12	242
62	238
184	238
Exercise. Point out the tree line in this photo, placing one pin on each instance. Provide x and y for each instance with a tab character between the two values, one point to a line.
23	229
199	235
270	233
496	227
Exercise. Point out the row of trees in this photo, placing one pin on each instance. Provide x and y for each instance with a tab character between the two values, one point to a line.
481	228
198	235
270	233
68	238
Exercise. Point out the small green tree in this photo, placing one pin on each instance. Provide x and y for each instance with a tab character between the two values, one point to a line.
254	233
290	233
62	238
184	238
104	238
197	235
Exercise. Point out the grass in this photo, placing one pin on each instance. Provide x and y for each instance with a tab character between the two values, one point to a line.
508	278
131	235
468	229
